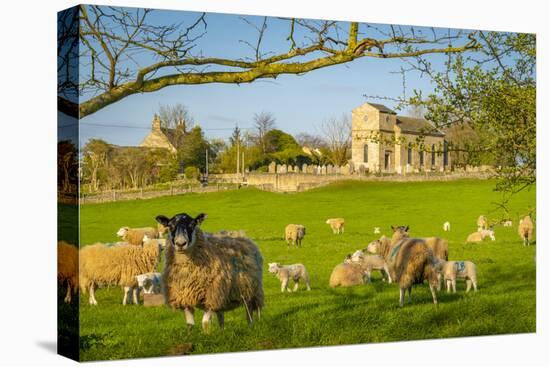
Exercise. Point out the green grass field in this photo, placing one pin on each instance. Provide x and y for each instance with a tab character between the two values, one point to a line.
505	302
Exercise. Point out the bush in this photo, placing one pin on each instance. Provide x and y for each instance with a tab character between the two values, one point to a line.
191	173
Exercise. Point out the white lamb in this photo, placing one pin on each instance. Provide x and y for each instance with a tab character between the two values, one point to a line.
149	282
296	272
447	226
369	263
449	271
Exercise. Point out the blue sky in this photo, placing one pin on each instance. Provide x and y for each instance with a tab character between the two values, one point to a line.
299	103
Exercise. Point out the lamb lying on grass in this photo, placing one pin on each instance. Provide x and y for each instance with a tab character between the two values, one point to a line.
337	225
149	282
369	263
134	236
479	236
285	273
449	271
347	275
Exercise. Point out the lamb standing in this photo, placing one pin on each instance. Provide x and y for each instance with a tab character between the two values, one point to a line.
213	273
295	233
479	236
447	226
116	265
337	225
134	236
67	268
525	230
149	282
451	270
370	263
287	272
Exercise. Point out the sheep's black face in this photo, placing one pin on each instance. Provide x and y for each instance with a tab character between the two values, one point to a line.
182	229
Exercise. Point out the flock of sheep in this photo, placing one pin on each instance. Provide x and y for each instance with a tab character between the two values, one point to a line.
218	272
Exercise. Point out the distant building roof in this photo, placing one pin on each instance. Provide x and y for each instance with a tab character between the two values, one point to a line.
382	108
417	126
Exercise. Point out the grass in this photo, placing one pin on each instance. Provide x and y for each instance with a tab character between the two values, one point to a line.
505	302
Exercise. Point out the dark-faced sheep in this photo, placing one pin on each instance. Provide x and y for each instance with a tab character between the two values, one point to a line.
213	273
525	230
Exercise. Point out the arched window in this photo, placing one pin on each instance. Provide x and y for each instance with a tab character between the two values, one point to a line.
365	153
433	154
409	154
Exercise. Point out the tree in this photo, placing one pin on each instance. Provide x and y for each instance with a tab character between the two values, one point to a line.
264	122
67	165
337	134
193	150
95	155
175	117
127	53
494	96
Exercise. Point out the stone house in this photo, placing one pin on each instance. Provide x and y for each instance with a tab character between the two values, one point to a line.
382	141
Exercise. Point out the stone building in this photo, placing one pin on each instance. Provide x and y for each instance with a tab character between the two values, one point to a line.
157	138
382	141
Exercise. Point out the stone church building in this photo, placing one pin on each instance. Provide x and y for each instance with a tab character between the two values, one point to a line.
157	138
382	141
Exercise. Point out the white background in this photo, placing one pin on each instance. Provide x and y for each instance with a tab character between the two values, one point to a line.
28	182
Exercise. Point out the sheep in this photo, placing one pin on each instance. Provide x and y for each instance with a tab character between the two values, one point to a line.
287	272
134	236
116	265
449	271
160	241
149	282
369	263
410	261
376	230
347	275
294	233
507	223
67	268
213	273
337	225
447	226
525	230
439	246
482	223
479	236
234	234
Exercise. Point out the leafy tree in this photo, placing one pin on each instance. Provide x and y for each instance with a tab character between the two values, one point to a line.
193	150
95	158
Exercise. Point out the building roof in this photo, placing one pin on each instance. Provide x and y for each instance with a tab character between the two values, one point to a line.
382	108
417	126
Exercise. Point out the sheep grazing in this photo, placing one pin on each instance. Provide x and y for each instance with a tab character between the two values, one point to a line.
376	230
285	273
116	265
213	273
410	261
347	275
67	268
482	223
451	270
369	263
149	282
134	236
447	226
337	225
479	236
294	233
525	230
